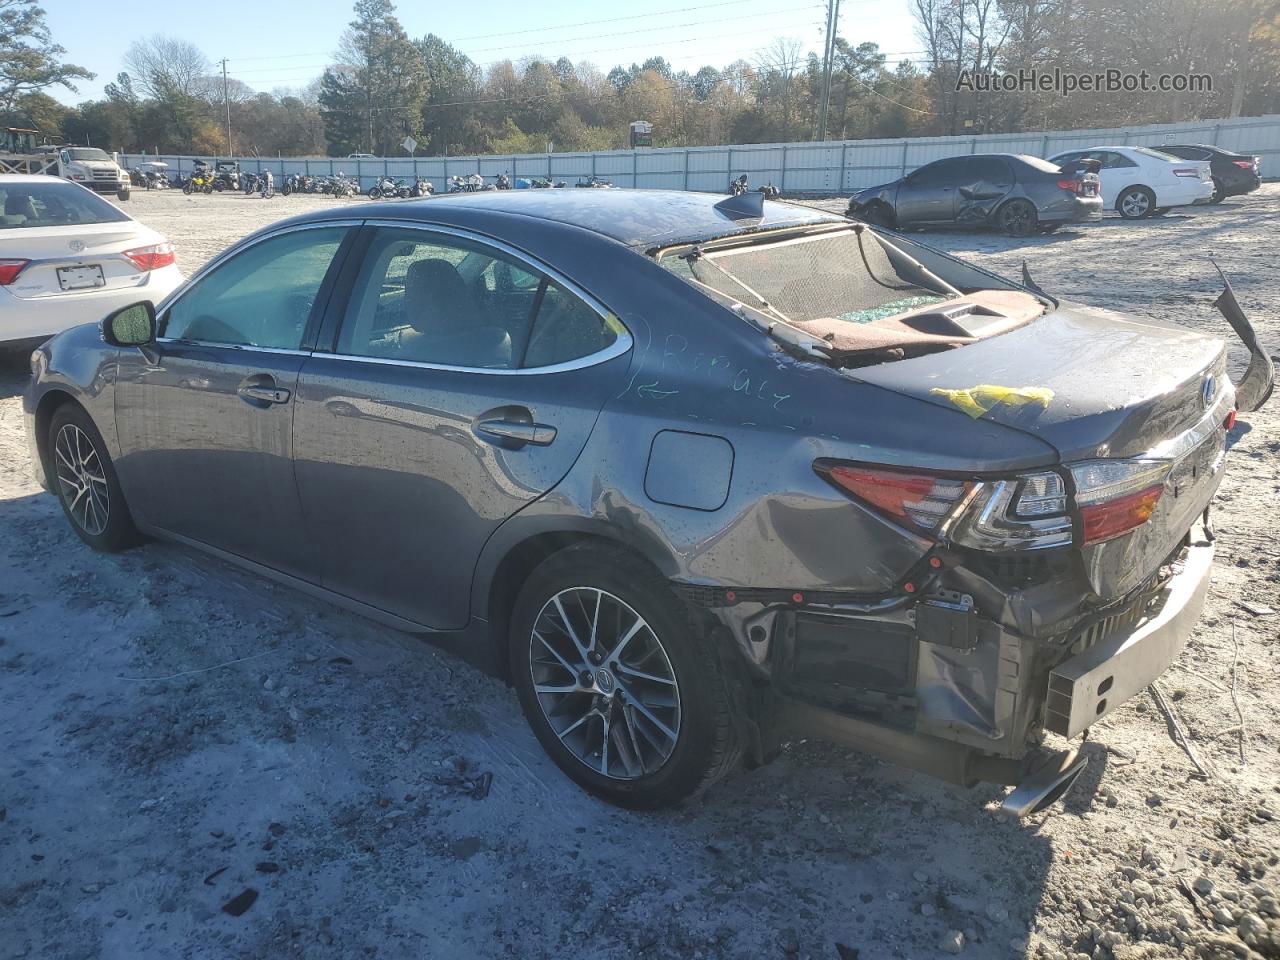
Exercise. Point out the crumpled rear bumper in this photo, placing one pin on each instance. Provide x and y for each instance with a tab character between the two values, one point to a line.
965	698
1091	684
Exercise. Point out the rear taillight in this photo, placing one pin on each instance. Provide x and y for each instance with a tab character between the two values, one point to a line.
1243	164
1022	513
151	258
1027	512
1115	496
9	270
1184	172
919	501
1072	185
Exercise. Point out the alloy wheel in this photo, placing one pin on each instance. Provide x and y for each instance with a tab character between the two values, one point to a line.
604	683
1135	204
82	479
1018	218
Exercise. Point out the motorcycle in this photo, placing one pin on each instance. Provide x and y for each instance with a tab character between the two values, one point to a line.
472	183
503	182
342	186
594	182
738	187
770	191
249	183
386	189
200	181
422	188
266	185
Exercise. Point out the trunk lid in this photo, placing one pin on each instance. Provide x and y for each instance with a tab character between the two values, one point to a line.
1121	388
1121	385
64	258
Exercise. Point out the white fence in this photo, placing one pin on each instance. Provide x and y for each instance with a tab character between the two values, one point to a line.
832	167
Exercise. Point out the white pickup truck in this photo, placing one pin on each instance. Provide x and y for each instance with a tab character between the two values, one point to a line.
93	168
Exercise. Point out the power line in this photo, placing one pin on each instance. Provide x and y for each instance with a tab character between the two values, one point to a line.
623	33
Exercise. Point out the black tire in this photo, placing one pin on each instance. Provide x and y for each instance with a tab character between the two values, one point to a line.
876	214
187	188
1135	203
1018	218
71	425
706	746
122	194
1219	191
374	193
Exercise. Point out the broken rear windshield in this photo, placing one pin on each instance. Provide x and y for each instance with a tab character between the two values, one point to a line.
858	293
845	276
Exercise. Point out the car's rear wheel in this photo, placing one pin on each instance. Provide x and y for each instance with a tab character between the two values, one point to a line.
1017	218
1134	203
82	475
1219	191
621	688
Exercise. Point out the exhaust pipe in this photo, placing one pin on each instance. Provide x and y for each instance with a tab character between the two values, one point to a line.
1045	784
1038	780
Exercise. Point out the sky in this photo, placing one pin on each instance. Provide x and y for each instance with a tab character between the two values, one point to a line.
286	43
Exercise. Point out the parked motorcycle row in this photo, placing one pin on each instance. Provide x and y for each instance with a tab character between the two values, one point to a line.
225	175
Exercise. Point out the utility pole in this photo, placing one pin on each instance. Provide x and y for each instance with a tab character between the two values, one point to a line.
226	102
828	65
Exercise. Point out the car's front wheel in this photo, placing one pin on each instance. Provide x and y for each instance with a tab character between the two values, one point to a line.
621	687
1135	203
84	479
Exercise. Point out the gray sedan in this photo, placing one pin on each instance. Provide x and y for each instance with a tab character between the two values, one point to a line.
696	476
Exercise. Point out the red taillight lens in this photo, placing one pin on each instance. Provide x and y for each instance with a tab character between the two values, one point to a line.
9	270
1109	519
1183	172
1072	185
1115	496
151	258
1243	164
918	500
1230	422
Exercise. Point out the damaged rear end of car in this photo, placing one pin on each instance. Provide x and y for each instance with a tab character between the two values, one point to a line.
1019	602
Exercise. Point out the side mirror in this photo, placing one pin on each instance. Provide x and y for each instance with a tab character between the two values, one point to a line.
131	326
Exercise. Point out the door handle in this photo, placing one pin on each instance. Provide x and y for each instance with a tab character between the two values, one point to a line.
262	394
516	432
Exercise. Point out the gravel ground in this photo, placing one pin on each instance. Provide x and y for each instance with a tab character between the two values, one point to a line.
184	743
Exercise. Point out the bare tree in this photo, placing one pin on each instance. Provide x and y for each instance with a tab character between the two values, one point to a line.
166	67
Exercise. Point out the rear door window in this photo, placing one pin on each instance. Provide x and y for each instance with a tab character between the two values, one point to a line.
440	299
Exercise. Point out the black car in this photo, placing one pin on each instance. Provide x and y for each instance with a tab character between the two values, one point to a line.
1016	193
1233	173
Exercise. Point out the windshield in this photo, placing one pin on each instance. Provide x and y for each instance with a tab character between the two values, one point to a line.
88	153
1148	152
1042	165
53	205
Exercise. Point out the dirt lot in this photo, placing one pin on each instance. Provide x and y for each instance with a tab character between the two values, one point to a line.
176	733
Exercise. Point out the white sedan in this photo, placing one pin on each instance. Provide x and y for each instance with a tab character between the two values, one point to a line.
1138	181
67	257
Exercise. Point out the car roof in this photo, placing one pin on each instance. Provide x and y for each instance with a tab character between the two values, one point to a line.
33	178
642	219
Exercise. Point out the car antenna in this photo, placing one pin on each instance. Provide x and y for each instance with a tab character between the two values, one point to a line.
744	206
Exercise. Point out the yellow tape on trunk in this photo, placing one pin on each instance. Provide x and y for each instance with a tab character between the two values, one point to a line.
978	400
